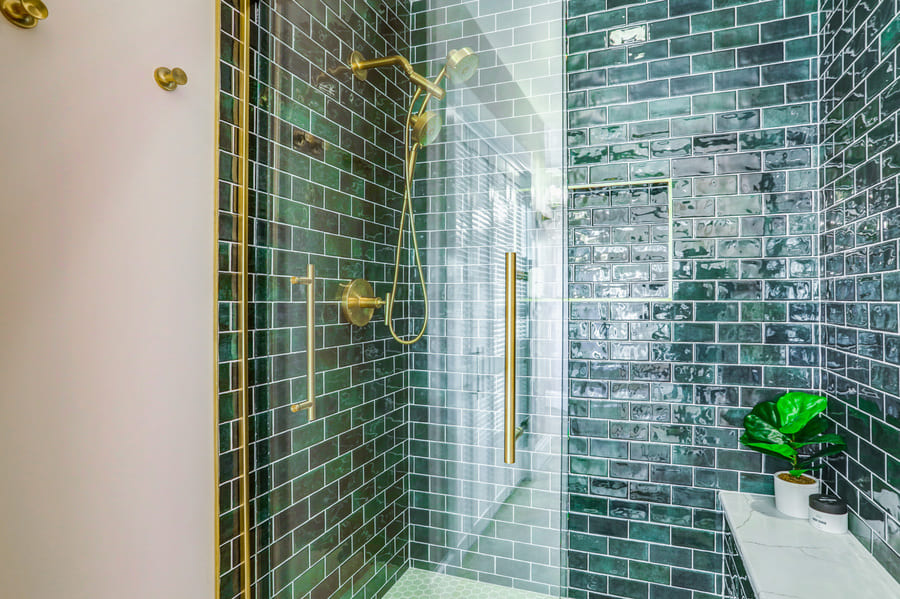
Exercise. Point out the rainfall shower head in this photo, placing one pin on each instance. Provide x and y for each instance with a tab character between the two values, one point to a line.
461	64
426	127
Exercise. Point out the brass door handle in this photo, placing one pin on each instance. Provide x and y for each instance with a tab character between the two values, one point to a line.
509	416
169	79
310	281
24	13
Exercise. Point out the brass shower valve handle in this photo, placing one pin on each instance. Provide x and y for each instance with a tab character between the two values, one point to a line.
24	13
169	79
366	302
359	302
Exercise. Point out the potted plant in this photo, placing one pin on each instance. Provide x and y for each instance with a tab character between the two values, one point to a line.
793	428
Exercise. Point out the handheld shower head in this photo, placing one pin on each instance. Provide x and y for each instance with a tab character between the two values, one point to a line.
426	127
461	64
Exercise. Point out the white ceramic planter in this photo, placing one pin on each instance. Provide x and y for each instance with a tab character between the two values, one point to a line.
792	499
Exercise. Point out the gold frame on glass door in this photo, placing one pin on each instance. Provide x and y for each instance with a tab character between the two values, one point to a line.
244	217
217	115
243	170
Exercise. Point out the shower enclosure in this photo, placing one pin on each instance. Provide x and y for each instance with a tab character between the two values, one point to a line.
401	463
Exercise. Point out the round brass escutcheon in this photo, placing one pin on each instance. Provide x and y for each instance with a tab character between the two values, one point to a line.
356	58
24	13
359	302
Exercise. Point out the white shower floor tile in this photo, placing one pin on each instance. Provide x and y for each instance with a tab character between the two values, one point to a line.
422	584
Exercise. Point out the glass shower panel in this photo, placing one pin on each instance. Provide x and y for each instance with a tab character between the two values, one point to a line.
491	185
328	490
403	464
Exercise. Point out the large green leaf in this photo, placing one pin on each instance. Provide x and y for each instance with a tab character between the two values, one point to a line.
814	428
775	449
827	439
822	453
768	411
796	409
760	429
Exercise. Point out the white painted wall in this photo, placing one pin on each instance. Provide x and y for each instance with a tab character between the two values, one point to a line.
107	485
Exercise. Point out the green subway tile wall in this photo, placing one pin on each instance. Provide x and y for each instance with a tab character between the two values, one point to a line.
860	278
721	97
329	497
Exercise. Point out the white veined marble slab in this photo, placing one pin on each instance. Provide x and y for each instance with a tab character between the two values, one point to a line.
786	558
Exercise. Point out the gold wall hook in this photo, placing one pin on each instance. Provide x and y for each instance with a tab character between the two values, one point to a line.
169	79
24	13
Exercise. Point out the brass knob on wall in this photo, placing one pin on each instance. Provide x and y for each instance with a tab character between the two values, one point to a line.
358	302
24	13
169	79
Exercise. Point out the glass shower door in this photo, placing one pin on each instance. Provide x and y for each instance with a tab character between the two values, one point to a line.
402	463
473	514
489	187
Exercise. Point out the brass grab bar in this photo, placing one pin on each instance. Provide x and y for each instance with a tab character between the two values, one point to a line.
509	416
310	281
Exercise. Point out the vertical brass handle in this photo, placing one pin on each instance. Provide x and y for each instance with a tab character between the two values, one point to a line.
310	281
24	13
509	416
169	79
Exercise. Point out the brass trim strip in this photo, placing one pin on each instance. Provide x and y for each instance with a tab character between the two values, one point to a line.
217	115
310	281
509	416
244	226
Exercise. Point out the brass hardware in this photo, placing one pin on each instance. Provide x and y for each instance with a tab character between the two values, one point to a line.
169	79
243	172
461	64
422	127
509	370
361	68
426	128
356	59
310	281
358	302
24	13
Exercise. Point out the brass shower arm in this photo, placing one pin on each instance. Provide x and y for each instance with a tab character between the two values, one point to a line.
361	66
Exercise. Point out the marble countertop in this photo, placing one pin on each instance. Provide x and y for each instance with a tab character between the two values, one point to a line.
786	558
